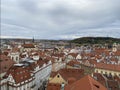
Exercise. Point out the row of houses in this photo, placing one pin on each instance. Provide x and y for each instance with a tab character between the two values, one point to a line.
26	67
27	75
27	70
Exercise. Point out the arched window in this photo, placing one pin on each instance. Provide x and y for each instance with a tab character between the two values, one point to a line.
16	58
96	71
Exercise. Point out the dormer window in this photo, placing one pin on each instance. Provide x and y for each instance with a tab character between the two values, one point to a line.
97	86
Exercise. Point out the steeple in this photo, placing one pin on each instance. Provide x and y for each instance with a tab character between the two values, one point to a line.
33	40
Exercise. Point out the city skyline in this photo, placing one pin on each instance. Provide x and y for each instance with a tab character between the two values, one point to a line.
60	19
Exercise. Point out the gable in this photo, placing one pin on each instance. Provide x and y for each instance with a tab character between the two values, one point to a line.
78	56
58	79
10	78
70	57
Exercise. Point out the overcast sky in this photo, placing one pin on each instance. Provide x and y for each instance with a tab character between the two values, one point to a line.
60	19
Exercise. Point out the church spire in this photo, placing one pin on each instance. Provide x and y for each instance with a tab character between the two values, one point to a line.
33	40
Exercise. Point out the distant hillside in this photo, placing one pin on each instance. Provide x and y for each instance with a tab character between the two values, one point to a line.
95	40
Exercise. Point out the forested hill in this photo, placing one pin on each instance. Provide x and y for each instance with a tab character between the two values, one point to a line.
96	40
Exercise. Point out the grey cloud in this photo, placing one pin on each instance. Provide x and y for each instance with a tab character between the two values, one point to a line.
61	18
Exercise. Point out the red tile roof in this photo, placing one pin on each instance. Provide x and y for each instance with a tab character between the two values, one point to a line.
108	66
28	46
15	49
58	54
73	62
5	63
103	65
70	73
19	73
100	78
117	53
73	54
52	86
113	85
86	83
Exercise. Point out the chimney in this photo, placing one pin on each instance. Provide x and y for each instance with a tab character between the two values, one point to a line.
62	86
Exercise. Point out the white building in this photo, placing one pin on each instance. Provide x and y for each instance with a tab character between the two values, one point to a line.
42	72
14	56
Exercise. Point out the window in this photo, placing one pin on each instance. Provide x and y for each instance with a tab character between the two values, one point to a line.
110	75
5	67
1	60
96	86
6	59
58	76
96	71
9	78
16	58
12	58
101	71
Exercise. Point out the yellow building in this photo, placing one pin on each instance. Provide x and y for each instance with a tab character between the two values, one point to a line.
65	75
107	71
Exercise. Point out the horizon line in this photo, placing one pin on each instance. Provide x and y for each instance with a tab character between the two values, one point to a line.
56	39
